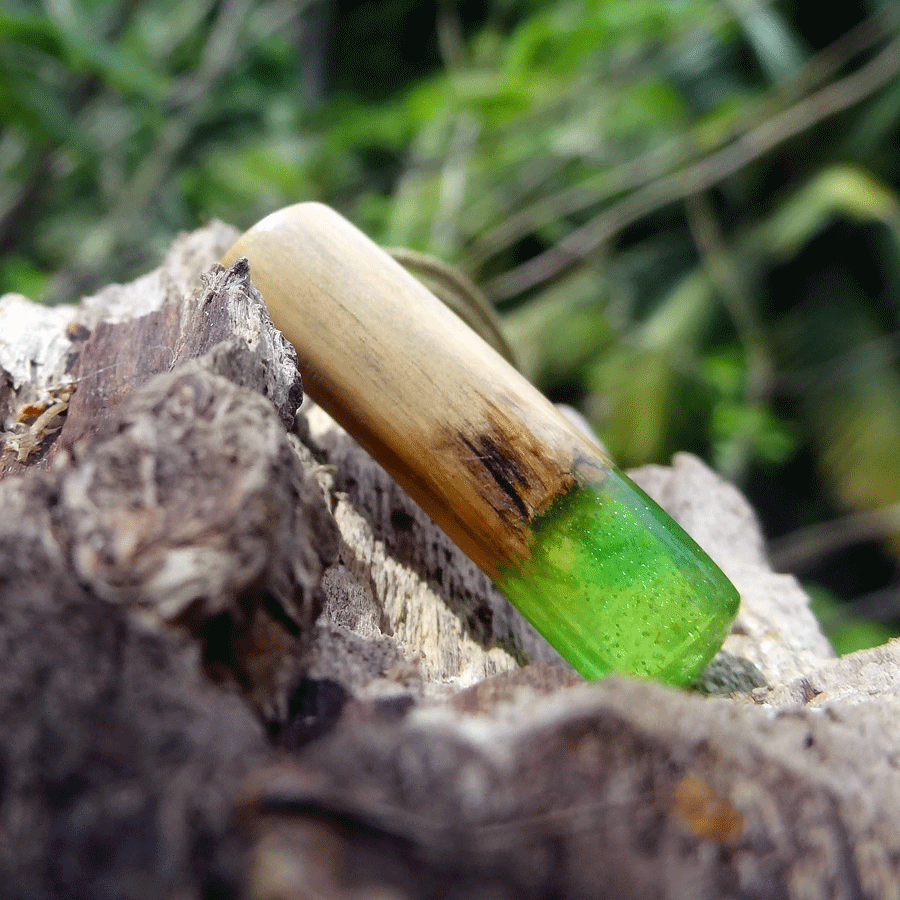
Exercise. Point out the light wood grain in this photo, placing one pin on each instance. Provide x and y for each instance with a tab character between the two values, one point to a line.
471	440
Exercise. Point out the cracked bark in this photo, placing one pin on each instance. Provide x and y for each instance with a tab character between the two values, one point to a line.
239	661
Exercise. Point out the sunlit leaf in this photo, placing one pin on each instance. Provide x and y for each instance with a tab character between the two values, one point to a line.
836	190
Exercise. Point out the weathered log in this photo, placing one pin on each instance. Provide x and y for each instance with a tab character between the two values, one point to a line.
238	660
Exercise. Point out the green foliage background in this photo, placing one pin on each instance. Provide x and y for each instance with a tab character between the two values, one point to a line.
686	210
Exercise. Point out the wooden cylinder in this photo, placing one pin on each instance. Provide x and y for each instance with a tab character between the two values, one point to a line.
472	441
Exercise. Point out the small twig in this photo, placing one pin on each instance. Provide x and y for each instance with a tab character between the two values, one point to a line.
450	39
877	353
190	99
676	152
454	176
877	606
722	271
800	549
586	240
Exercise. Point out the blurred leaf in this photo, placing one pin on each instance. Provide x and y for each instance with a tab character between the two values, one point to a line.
639	386
24	103
859	434
20	276
87	52
875	126
859	635
779	51
631	404
76	42
256	180
738	426
557	335
836	190
852	398
846	633
29	28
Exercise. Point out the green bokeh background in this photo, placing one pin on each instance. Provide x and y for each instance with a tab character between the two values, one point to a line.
686	211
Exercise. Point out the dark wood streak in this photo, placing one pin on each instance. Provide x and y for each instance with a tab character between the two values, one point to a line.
500	467
516	472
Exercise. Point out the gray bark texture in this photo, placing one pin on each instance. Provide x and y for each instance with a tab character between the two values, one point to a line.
237	661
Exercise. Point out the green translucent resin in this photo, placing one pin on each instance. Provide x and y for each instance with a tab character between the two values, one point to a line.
614	584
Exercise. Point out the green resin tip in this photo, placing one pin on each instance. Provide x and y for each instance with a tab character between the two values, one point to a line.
614	584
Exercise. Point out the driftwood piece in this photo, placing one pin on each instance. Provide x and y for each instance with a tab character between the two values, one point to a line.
239	661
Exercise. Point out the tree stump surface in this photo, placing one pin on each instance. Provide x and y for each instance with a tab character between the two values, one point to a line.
238	661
